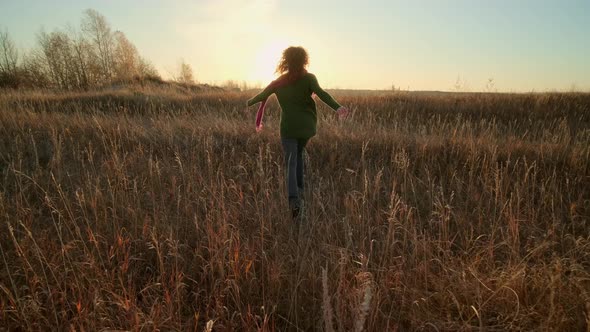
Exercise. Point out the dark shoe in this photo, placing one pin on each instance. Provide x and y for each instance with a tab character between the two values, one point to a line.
295	212
296	206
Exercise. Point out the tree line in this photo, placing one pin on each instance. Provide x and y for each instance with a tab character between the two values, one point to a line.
78	59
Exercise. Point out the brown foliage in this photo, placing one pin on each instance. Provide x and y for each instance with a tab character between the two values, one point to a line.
160	210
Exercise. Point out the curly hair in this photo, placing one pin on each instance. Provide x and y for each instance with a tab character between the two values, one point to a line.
293	61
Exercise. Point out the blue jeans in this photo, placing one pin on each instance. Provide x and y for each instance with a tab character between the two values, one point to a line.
293	149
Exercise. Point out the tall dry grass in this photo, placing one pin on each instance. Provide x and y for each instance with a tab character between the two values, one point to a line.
144	210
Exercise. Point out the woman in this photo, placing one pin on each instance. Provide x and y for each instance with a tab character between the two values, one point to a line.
294	90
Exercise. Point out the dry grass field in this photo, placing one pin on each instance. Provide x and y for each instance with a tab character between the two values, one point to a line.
154	210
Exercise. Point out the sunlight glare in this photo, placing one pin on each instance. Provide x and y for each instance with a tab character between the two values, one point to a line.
266	61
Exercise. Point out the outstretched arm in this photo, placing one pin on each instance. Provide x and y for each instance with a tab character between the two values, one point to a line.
262	96
324	96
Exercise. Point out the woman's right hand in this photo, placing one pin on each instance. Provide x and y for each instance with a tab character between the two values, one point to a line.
342	112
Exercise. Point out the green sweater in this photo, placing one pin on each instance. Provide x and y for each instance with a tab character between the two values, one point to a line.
299	113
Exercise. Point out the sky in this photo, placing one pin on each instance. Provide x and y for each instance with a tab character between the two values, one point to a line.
521	45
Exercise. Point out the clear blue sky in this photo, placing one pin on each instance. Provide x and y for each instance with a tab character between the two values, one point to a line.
523	45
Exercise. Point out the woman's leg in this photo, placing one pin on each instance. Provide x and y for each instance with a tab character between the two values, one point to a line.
300	165
290	149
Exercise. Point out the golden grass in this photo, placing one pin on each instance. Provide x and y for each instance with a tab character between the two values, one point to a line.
144	210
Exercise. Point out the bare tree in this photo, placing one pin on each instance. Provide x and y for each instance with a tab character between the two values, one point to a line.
231	85
34	73
8	55
126	58
60	59
185	73
82	55
98	30
147	70
77	58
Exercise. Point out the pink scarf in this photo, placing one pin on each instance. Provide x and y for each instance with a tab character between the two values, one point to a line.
282	81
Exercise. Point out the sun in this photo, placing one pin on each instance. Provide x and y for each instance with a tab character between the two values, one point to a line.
266	61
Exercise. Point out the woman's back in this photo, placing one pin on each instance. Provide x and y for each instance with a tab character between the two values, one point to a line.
299	112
